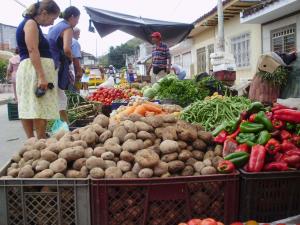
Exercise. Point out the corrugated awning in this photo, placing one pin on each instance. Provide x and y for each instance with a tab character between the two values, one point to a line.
107	22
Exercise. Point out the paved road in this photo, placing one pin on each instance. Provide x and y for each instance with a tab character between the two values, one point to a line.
11	136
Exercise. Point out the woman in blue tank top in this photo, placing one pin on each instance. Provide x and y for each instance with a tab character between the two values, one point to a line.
60	40
36	69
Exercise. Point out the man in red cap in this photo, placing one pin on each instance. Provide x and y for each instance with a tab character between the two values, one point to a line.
161	59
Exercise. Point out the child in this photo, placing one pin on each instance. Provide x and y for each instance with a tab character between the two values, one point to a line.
85	81
130	74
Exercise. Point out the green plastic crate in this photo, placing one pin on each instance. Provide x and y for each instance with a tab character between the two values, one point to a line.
12	111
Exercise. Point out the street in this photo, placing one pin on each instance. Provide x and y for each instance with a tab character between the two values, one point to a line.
11	136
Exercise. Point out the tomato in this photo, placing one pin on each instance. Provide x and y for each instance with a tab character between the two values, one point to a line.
219	223
182	224
236	223
209	221
194	222
251	222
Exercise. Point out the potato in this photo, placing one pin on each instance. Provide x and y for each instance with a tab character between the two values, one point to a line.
76	137
93	162
169	146
113	172
124	166
167	133
131	136
113	140
127	156
184	155
90	137
133	145
199	145
182	144
98	151
31	141
79	163
142	126
216	160
84	172
129	175
169	118
207	162
16	157
109	163
102	120
97	173
166	175
209	155
14	165
71	154
169	157
41	165
54	147
24	149
105	135
175	166
154	121
144	135
59	165
59	134
29	162
130	126
198	155
98	129
186	132
79	143
145	173
48	155
187	171
161	168
108	156
26	172
157	141
205	136
58	175
147	158
197	174
114	148
116	159
39	145
33	154
148	143
218	150
208	170
120	133
50	141
88	152
47	173
73	174
64	144
198	166
134	117
136	168
21	163
13	172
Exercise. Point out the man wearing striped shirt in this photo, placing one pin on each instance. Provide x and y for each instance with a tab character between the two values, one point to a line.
161	59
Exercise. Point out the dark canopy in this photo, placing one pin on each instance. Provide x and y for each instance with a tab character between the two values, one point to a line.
107	22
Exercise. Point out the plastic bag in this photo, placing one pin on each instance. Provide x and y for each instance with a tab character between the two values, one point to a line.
109	83
58	126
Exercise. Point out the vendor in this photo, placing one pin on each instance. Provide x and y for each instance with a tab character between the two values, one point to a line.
130	74
179	71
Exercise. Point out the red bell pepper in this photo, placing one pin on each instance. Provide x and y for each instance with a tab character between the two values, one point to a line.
285	135
246	167
269	115
288	115
277	124
234	134
293	152
292	160
277	106
278	157
272	146
276	166
257	158
226	166
252	118
221	138
230	146
287	145
296	140
242	148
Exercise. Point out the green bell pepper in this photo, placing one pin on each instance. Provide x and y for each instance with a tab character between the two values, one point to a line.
248	127
244	137
261	118
255	107
239	159
219	128
232	126
290	126
263	137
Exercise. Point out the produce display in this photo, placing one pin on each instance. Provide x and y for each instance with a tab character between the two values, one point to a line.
213	111
135	147
207	221
262	140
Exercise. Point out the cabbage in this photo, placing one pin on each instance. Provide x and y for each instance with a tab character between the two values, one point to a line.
155	86
149	93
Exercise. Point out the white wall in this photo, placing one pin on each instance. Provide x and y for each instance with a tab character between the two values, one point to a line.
266	30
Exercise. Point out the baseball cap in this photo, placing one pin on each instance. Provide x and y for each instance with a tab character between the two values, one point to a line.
156	35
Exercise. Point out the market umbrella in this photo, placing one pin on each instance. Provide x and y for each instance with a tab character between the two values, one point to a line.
107	22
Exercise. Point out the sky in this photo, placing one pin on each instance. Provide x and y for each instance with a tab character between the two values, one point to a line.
185	11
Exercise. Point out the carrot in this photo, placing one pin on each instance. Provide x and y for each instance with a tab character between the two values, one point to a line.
140	110
128	110
152	107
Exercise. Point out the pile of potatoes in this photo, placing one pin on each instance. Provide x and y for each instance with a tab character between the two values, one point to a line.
135	147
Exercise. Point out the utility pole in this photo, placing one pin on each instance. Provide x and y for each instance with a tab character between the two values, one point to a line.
221	41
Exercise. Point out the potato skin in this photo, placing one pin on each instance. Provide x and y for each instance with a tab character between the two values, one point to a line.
48	155
41	165
169	146
124	166
147	158
26	172
169	157
71	154
127	156
161	168
175	166
129	175
113	172
47	173
145	173
97	173
59	165
133	145
93	162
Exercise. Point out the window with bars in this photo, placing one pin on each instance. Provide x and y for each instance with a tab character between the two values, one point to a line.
201	60
283	40
240	48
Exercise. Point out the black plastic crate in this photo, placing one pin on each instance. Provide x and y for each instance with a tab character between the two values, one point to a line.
269	196
81	123
12	111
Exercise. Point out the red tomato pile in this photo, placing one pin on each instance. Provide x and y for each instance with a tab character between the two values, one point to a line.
207	221
107	95
132	92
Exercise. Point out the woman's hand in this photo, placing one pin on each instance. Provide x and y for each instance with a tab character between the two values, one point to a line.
43	83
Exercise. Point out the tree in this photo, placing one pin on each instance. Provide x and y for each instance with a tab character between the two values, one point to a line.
117	55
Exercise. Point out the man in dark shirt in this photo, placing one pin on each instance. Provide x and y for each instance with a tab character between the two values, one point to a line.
161	59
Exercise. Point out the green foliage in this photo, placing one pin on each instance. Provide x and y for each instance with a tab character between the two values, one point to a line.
116	56
278	78
3	68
